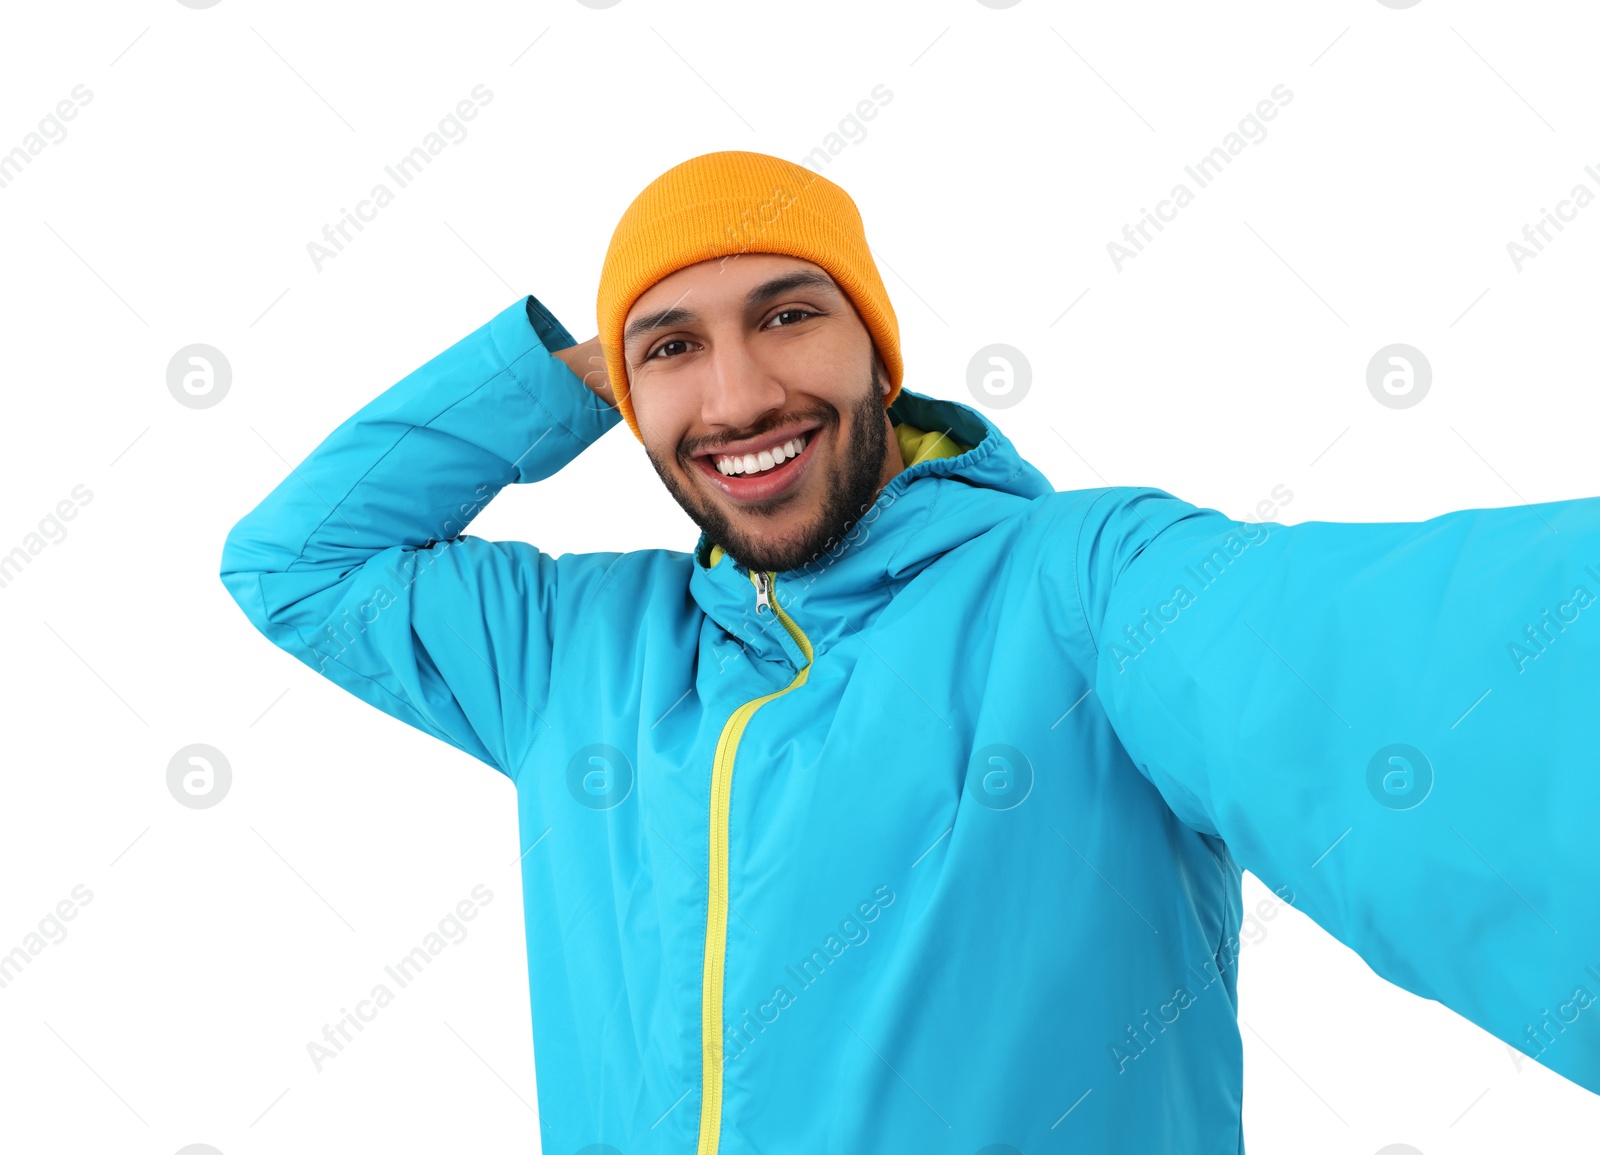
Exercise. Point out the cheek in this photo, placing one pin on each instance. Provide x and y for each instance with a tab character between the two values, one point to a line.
664	411
662	433
645	413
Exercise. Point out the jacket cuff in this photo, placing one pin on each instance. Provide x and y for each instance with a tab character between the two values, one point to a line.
526	335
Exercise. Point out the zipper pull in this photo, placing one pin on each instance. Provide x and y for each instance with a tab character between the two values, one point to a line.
763	586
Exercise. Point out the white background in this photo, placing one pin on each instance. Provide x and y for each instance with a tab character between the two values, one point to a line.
1226	359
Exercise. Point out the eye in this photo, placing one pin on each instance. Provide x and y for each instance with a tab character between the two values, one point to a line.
790	313
664	345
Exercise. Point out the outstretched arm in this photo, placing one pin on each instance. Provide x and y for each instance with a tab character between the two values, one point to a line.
357	563
1399	721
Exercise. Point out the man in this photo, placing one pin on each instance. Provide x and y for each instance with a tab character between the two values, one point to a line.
906	813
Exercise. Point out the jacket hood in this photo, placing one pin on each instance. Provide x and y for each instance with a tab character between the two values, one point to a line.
926	510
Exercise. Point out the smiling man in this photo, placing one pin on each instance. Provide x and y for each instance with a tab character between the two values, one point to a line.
907	811
759	396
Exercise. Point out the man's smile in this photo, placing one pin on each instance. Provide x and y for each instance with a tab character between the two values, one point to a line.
755	473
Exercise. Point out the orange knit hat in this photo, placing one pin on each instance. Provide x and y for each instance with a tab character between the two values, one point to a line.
724	203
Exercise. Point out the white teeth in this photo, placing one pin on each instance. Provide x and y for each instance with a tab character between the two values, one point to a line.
759	462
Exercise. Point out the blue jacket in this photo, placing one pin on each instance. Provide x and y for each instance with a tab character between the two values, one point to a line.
936	843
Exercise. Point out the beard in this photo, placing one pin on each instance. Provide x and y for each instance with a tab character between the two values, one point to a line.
849	492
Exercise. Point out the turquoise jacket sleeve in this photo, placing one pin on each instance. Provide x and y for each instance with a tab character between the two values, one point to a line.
357	564
1399	722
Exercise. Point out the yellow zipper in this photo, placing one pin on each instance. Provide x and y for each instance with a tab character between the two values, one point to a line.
717	880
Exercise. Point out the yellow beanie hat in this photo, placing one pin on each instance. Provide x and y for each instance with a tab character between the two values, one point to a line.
725	203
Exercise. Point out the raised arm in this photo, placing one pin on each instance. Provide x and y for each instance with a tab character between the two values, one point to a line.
357	564
1399	721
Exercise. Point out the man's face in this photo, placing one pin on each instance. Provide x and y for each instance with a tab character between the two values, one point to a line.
738	357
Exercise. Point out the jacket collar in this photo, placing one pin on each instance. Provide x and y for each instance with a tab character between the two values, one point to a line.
926	510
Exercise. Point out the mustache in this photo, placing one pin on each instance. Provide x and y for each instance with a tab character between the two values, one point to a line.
827	417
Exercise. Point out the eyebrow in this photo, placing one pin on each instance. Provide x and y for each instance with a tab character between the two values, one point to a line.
760	295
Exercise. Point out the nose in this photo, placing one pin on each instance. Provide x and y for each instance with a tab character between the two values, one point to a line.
738	390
